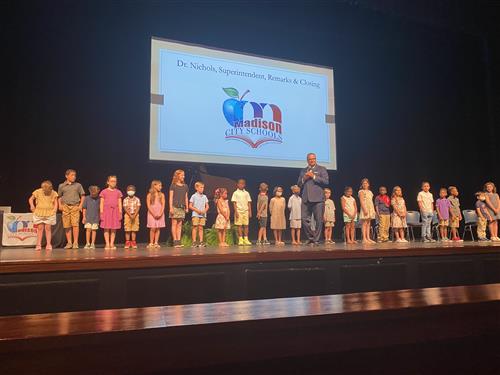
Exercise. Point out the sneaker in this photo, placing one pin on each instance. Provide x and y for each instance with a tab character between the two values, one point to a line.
87	246
432	240
457	239
426	240
150	245
246	241
92	246
259	243
127	245
134	245
68	246
495	239
75	245
266	242
178	244
194	244
241	242
202	244
483	239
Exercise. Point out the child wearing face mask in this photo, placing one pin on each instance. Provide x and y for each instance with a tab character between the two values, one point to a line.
131	206
277	212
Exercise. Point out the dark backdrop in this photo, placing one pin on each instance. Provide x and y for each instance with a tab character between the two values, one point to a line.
411	99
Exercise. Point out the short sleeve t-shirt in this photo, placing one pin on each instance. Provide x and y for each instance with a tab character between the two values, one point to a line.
91	205
294	204
482	208
44	203
70	193
241	198
383	203
455	205
198	201
179	197
262	204
427	199
443	205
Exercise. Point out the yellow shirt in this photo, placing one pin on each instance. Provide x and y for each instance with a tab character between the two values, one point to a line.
241	197
44	203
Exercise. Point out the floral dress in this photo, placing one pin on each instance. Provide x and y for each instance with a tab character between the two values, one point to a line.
220	220
399	205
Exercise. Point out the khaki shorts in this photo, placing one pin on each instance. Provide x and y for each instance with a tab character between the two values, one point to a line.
92	226
444	223
179	213
242	218
199	221
131	225
70	216
455	222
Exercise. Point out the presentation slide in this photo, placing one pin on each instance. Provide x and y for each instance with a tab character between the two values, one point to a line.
215	106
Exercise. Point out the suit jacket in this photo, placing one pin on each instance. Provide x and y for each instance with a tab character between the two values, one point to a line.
312	189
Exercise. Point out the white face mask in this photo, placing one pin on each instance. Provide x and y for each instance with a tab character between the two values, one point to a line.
279	193
130	193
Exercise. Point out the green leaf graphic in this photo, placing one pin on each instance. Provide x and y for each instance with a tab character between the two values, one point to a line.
233	93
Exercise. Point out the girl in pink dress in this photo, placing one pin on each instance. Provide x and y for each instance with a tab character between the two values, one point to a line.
156	213
111	212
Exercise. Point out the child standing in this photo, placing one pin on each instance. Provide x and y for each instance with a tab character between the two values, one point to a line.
131	205
178	203
443	211
367	211
43	204
71	195
493	204
111	212
350	215
383	211
242	203
329	216
294	205
155	201
277	212
91	215
262	207
398	217
199	205
483	216
425	202
455	213
222	222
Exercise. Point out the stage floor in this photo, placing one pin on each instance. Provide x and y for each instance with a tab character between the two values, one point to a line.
19	260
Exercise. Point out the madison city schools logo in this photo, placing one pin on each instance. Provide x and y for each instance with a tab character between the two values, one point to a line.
253	126
18	228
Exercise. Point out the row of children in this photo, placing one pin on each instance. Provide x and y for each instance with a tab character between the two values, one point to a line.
106	208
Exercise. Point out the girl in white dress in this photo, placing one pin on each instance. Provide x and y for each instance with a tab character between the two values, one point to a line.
367	211
350	214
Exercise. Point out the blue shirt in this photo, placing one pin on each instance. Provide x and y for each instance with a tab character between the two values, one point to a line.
199	201
92	206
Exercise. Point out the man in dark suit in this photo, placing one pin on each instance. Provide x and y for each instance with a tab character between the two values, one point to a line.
313	179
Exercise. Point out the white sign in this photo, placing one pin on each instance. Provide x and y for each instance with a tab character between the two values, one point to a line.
18	230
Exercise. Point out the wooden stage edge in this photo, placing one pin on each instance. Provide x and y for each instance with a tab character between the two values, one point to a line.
28	260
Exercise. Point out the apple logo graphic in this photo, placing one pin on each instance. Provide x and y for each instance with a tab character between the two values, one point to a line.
233	108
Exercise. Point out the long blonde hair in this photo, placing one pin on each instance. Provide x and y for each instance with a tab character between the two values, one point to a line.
153	192
175	178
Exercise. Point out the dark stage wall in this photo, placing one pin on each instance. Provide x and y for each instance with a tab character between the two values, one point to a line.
410	99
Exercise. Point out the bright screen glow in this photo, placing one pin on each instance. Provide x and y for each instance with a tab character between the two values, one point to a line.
213	106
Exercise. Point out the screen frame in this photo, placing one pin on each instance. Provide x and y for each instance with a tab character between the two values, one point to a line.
156	155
